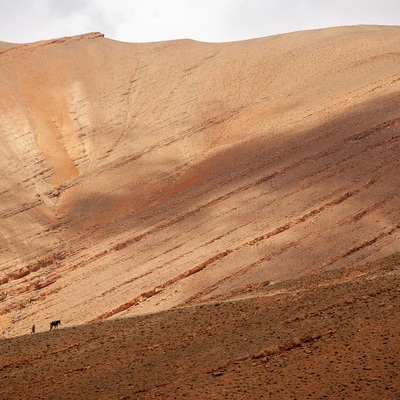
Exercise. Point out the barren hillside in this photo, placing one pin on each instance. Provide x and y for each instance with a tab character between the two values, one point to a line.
333	335
140	177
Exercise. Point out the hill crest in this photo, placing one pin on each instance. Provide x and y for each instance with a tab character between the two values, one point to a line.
140	177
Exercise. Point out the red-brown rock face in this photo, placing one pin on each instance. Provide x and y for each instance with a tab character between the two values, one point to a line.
139	177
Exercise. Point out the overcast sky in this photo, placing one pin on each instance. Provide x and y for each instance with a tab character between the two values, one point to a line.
24	21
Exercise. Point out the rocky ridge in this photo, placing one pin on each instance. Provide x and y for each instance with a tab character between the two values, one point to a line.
141	177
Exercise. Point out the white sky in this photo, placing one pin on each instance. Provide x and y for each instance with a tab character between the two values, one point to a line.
24	21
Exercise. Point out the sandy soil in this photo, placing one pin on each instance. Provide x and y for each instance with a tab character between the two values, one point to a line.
326	336
141	177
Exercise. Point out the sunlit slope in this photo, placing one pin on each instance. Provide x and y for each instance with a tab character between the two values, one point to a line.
137	177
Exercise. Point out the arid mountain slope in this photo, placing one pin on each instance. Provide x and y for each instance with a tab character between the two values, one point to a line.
138	177
333	335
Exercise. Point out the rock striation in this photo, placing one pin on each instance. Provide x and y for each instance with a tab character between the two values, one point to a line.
141	177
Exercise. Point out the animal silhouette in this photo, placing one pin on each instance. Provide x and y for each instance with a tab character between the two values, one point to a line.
54	324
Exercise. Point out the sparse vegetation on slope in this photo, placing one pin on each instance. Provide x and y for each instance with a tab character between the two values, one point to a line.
328	335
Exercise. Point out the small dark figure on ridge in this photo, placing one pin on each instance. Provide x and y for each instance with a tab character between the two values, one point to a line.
54	324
